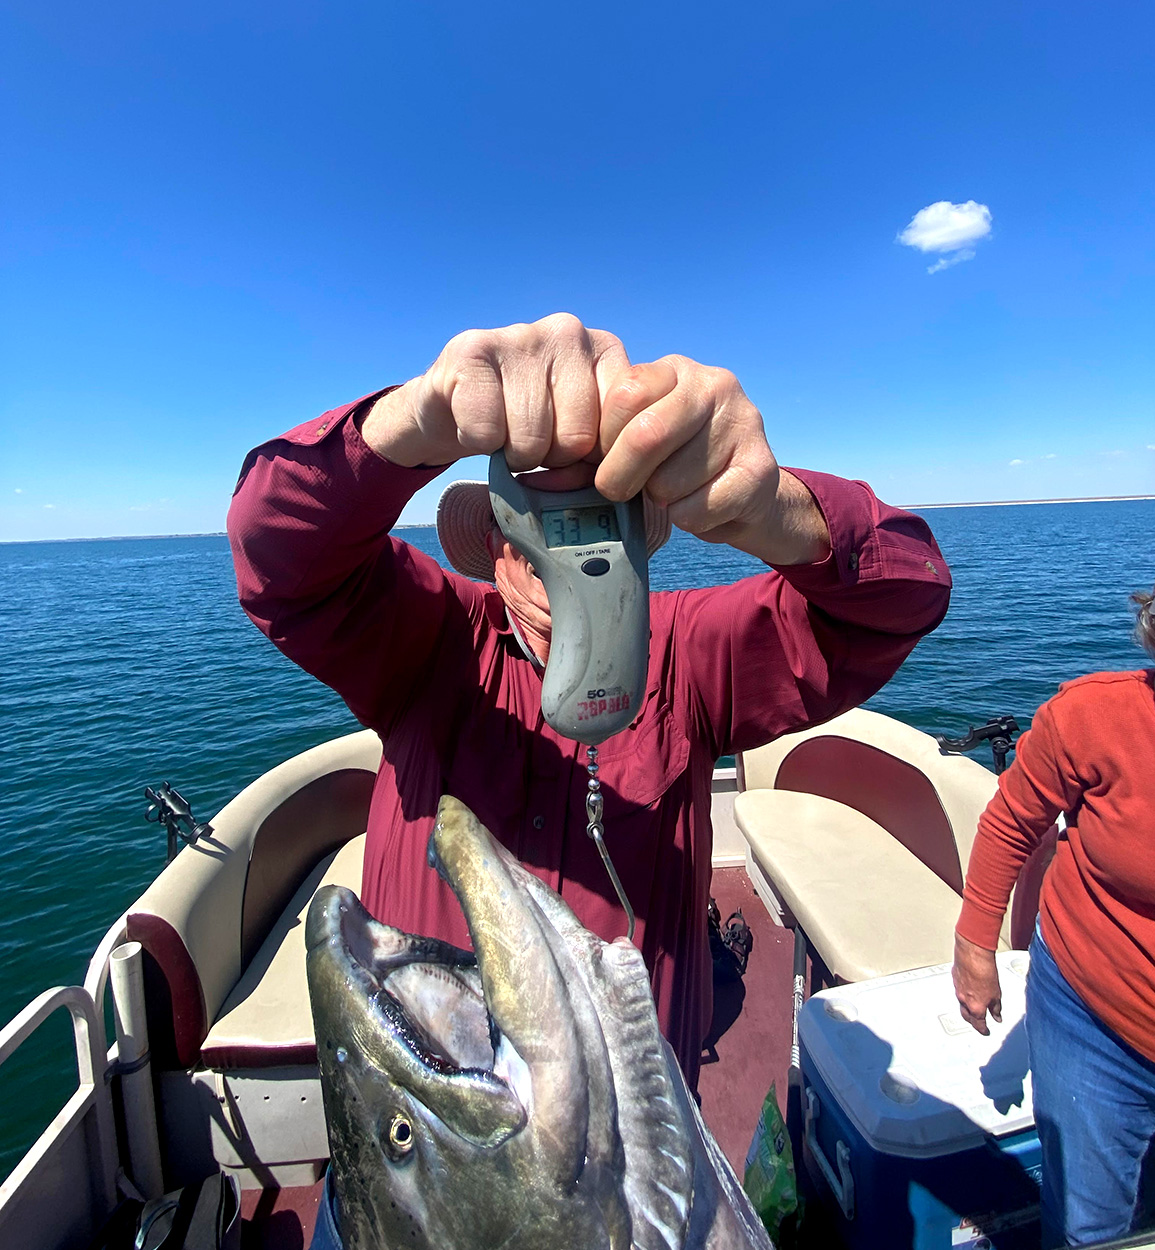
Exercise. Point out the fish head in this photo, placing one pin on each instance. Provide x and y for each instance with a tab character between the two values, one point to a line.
469	1095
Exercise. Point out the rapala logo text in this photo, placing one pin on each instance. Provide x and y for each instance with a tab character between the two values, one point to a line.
600	703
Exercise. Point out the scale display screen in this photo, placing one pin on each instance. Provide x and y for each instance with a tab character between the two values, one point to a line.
580	527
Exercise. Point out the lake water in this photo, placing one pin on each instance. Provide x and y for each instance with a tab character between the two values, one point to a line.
128	662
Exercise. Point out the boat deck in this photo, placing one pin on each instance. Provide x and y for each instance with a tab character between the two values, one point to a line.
279	1219
748	1048
749	1043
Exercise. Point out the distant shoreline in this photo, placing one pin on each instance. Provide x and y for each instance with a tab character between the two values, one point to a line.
121	538
1025	503
912	507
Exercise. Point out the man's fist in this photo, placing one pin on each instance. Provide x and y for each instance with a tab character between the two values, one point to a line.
534	389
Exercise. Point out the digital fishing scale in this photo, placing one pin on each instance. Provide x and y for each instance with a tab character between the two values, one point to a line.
590	554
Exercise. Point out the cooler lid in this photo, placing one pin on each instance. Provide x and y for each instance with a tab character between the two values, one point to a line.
914	1078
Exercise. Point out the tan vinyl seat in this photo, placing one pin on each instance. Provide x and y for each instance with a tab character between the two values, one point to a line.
859	831
266	1020
211	912
230	1032
865	903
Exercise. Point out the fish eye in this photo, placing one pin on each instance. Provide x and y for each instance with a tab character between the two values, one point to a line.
401	1135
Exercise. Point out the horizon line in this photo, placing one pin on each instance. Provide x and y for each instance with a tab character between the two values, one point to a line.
1023	503
421	525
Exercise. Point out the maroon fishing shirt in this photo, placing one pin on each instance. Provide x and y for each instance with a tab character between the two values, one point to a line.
428	660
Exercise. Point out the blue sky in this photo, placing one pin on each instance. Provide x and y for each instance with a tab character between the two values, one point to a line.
220	220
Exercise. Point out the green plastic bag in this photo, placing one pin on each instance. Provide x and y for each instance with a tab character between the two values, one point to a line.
770	1182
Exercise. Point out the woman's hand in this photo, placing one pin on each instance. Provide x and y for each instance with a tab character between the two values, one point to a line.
976	984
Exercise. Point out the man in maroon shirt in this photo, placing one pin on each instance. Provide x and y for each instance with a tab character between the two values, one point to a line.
448	670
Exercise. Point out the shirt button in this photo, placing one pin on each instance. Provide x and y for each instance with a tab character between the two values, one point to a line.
539	822
852	560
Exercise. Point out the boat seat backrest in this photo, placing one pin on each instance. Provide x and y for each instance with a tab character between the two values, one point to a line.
209	911
316	819
890	772
893	793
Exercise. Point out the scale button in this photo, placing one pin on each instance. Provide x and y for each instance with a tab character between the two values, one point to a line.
596	567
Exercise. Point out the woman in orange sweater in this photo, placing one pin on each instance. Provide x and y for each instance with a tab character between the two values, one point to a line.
1090	753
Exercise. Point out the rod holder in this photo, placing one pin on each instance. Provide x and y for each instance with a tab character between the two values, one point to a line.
134	1067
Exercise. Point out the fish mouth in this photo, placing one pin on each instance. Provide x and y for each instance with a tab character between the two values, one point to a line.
421	995
426	993
482	1038
415	1008
507	1044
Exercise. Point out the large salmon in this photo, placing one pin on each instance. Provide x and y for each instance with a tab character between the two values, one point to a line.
519	1096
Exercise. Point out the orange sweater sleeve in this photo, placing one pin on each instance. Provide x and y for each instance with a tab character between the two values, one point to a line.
1039	785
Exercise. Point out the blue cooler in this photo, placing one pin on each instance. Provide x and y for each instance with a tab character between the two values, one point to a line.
917	1130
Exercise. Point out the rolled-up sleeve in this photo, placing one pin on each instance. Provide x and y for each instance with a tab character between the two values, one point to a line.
800	644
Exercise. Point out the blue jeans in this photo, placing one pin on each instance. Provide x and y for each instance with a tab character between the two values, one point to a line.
325	1234
1094	1102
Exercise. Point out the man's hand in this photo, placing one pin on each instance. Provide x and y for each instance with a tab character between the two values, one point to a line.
689	434
535	390
555	393
976	984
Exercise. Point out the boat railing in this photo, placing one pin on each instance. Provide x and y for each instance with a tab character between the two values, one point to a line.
42	1203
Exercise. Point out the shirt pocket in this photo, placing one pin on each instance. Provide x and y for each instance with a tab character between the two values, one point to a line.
643	773
637	766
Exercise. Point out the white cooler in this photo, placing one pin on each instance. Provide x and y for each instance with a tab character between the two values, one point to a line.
919	1129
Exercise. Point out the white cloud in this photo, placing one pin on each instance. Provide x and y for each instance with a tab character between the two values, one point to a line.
1151	446
945	227
1017	462
949	228
19	490
945	262
49	506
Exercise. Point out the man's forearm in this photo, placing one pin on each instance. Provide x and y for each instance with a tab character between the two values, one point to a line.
390	428
793	530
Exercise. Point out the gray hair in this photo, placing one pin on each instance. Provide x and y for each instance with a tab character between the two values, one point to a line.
1144	601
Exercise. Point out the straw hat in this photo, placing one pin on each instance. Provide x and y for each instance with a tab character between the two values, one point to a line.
464	517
